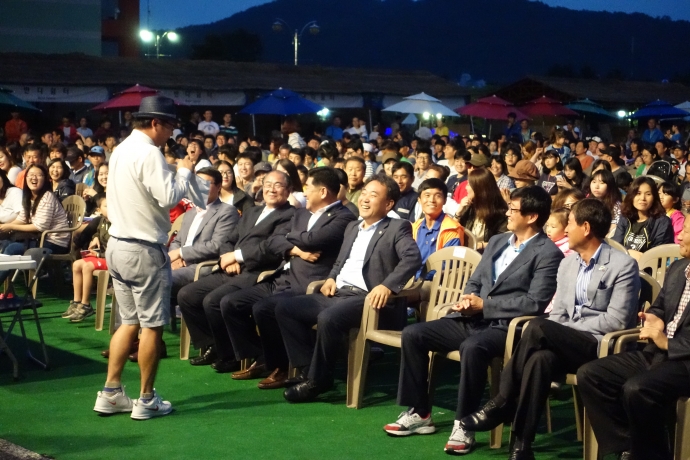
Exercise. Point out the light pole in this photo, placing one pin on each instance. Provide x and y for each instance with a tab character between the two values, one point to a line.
312	26
148	36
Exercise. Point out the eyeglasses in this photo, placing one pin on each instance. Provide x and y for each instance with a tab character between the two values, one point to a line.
274	186
511	154
226	174
35	176
512	210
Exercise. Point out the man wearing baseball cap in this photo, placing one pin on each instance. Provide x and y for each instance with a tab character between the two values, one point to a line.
478	160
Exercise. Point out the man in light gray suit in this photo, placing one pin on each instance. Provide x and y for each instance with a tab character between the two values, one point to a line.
202	233
597	293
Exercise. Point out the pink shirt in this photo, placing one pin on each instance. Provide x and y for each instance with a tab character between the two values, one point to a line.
563	246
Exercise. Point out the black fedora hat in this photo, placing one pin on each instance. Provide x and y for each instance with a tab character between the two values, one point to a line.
157	107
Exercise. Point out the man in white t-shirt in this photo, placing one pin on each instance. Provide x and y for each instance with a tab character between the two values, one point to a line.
208	126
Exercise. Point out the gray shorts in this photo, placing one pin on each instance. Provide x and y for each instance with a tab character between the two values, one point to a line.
142	280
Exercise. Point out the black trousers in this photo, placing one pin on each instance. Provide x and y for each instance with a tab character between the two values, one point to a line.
200	306
628	397
334	316
546	352
478	344
243	311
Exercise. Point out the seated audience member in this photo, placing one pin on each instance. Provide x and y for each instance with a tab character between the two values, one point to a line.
61	184
355	168
499	169
628	396
203	233
303	173
514	154
79	169
342	177
82	269
41	211
96	157
623	181
244	258
296	156
100	187
572	176
643	224
296	198
603	187
435	230
229	193
309	251
227	153
515	277
596	294
424	160
403	175
244	173
567	198
10	200
197	153
459	173
551	167
649	155
478	161
669	196
377	258
58	150
34	154
8	166
483	210
555	229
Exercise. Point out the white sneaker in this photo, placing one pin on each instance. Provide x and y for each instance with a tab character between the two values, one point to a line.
460	442
409	423
154	408
109	402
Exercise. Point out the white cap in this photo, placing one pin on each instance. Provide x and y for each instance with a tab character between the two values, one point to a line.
368	147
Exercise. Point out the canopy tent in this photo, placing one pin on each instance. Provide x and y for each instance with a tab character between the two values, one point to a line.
127	99
491	108
280	102
586	106
660	109
419	104
547	107
12	102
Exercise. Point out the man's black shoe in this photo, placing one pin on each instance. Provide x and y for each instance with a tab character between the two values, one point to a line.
521	454
305	391
302	377
625	455
206	358
223	366
488	417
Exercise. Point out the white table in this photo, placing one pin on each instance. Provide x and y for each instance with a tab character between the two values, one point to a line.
17	264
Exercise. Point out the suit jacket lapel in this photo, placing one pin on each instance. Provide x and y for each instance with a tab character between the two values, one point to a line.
374	239
326	217
599	271
522	258
211	211
676	294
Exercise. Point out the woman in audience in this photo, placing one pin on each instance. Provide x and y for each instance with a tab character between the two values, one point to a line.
10	200
61	185
572	176
643	224
197	153
99	188
499	169
669	195
649	155
555	229
7	166
566	198
483	210
603	187
551	171
513	155
229	193
296	198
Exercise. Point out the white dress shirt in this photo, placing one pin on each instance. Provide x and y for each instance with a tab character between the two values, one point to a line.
351	273
193	229
262	216
142	189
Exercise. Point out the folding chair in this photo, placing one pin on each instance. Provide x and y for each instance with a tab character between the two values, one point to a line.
616	245
657	260
17	304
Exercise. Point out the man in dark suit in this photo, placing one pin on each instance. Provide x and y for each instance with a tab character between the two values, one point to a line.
377	258
243	260
203	233
628	396
516	277
310	248
596	294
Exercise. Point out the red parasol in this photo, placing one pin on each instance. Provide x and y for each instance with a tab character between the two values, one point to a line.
547	107
127	99
491	108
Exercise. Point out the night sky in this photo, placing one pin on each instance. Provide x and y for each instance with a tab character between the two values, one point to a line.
179	13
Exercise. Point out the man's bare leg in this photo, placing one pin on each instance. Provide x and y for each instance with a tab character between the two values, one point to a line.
149	342
120	346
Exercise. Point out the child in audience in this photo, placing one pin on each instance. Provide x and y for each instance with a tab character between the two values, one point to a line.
82	270
555	230
669	194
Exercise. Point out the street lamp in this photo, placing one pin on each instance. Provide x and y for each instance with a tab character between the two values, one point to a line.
312	26
148	36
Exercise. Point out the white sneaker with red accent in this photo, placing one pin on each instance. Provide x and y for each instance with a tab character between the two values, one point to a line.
113	402
461	442
410	423
156	407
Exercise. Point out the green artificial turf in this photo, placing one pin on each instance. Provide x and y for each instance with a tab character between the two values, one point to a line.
51	412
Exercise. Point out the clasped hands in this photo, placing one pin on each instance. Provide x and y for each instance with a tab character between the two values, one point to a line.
229	264
469	305
378	297
304	255
653	329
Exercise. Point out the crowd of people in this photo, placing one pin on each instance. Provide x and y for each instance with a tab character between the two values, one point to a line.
364	211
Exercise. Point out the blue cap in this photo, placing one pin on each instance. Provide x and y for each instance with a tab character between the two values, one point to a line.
97	150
